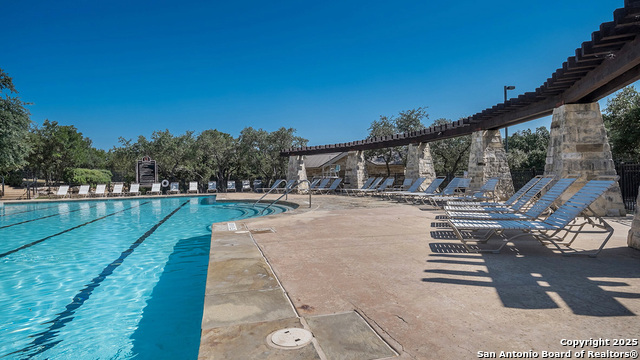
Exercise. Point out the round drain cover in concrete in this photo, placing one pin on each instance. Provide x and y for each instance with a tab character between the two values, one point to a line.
291	338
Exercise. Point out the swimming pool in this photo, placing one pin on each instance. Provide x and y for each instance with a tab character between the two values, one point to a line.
112	279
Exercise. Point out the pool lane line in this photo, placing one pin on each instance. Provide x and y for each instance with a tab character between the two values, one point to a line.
65	231
26	211
48	216
40	344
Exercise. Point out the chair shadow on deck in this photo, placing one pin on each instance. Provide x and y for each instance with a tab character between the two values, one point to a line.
525	273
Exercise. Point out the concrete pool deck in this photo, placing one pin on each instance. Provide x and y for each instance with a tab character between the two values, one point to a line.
352	269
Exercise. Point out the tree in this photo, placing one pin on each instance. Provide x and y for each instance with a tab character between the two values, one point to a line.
621	119
216	155
406	121
450	155
56	148
14	127
259	152
528	149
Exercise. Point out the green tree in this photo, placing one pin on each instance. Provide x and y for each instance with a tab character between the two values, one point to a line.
216	156
528	149
622	119
56	148
14	127
451	155
259	152
405	121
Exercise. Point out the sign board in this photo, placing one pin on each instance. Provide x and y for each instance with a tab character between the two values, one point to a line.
146	171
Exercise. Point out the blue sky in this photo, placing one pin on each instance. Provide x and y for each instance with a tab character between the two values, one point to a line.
328	69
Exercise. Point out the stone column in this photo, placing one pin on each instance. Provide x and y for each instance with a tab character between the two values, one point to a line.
297	171
579	145
355	170
420	164
488	159
633	239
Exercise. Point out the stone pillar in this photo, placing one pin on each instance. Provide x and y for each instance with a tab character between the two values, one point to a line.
297	171
488	159
633	239
420	164
579	145
355	170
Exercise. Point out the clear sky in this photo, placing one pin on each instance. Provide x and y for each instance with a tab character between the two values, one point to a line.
328	69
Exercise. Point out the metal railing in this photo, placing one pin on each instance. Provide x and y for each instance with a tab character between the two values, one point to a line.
286	193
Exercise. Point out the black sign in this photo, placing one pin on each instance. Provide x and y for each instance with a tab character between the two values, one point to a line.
146	171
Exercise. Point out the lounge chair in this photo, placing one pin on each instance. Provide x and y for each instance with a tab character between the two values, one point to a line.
322	185
155	189
257	184
534	212
366	185
385	184
231	185
287	186
411	189
560	229
63	191
273	187
83	191
508	202
374	184
212	186
100	189
334	185
488	187
246	185
450	190
522	201
117	189
193	187
432	189
134	189
174	188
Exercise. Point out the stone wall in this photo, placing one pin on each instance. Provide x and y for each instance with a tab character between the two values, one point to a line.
296	171
633	239
355	171
488	159
579	145
420	164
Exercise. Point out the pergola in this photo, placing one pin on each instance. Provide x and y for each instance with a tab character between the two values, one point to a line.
607	63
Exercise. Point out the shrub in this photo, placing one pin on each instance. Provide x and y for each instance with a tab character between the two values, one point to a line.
87	176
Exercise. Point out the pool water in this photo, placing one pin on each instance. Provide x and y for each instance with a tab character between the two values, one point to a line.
116	279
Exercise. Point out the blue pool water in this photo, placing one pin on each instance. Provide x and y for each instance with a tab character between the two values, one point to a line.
116	279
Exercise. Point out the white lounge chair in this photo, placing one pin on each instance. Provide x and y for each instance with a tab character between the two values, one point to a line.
517	195
63	191
174	188
134	189
488	187
518	205
100	189
117	189
411	189
155	189
212	186
450	190
193	187
388	182
83	191
560	229
432	189
534	212
246	185
231	186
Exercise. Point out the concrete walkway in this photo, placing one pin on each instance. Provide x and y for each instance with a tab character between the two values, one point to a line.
398	269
